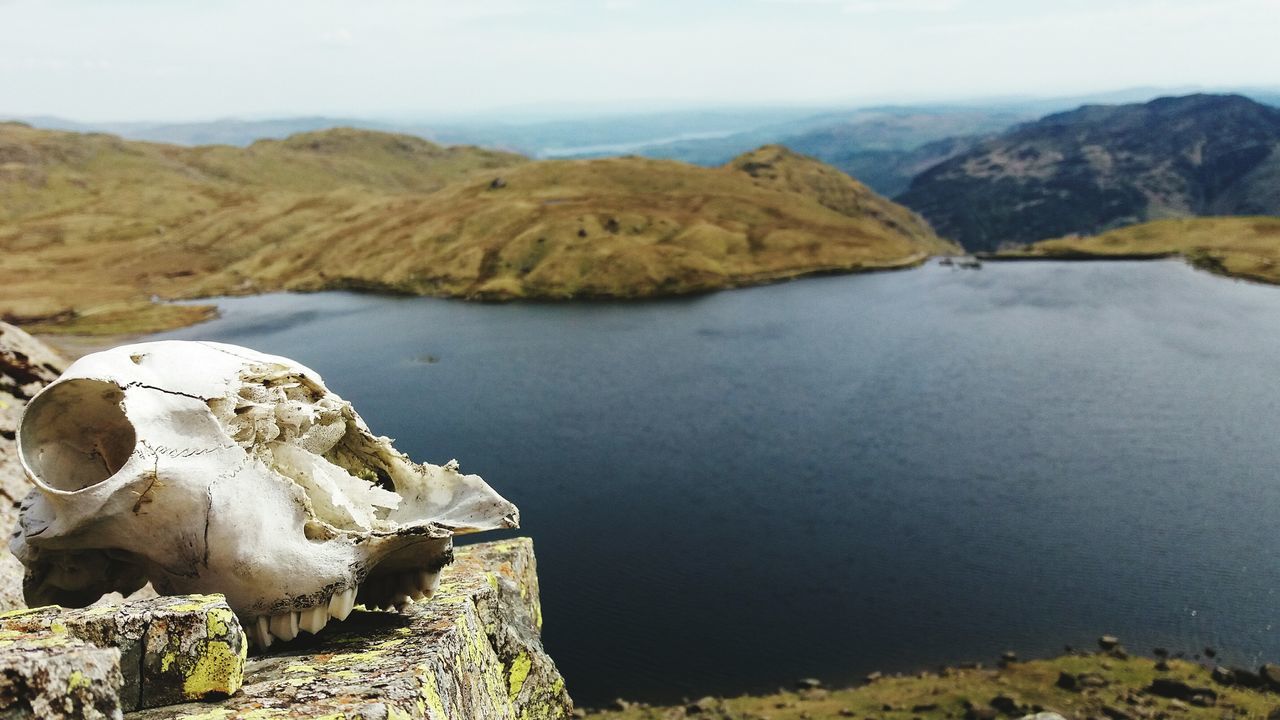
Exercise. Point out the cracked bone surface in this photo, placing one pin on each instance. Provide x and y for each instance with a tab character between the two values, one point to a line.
210	468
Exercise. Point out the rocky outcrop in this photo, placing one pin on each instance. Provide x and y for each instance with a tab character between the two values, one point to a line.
168	649
58	676
160	651
472	651
26	365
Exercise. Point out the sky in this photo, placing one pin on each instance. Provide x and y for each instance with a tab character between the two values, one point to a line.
100	60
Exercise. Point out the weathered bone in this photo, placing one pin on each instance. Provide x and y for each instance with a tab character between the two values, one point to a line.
205	467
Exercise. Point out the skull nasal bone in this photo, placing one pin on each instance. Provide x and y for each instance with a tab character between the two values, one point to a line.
75	434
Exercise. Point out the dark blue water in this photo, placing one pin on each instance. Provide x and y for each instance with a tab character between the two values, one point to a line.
847	474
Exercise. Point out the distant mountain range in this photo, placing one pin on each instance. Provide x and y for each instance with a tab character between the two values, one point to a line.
883	146
986	174
1101	167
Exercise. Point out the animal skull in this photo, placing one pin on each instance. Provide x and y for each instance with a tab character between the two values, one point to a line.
205	467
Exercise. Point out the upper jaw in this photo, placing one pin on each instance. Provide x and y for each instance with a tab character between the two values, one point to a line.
395	591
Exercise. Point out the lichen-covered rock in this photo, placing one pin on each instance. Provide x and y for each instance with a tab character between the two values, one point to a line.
26	365
57	676
170	649
472	652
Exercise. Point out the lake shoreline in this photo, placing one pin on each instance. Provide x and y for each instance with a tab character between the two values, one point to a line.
1107	683
84	339
1242	248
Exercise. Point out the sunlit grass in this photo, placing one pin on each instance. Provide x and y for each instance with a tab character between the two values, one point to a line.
93	228
947	694
1247	247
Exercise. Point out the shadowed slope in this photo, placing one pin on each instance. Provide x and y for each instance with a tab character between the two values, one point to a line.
1101	167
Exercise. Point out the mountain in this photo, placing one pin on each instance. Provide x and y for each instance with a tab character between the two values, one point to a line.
883	147
886	150
610	134
1100	167
227	131
92	227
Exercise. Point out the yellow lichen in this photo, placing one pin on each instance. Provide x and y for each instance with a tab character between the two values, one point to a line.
101	610
395	713
196	602
519	673
48	641
354	657
219	622
219	669
431	692
10	614
299	668
77	680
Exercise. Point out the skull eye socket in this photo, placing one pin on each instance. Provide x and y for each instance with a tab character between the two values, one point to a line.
75	434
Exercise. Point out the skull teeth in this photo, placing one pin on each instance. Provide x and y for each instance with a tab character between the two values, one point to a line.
387	592
427	583
285	625
341	604
313	619
262	632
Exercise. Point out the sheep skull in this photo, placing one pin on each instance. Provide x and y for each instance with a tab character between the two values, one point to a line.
203	467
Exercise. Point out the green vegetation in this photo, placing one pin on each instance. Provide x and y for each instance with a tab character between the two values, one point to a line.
92	227
1245	247
1111	685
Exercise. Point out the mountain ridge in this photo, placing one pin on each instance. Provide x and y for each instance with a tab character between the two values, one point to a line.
1098	167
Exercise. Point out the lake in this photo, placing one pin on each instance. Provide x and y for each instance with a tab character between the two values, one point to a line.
846	474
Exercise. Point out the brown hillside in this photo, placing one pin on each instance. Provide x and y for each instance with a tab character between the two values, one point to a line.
1245	247
94	226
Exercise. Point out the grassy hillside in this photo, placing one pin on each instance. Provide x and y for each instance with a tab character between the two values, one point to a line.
92	227
1246	247
1074	686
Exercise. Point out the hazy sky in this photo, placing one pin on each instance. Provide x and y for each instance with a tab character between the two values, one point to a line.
186	59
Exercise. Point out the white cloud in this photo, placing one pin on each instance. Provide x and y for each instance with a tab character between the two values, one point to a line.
875	7
341	37
169	60
868	7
